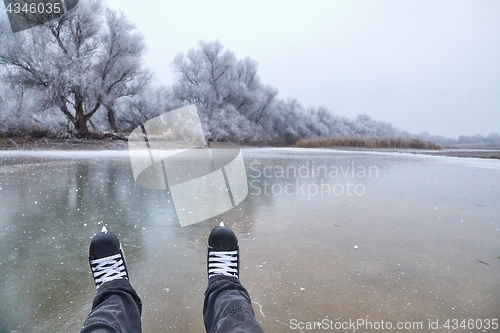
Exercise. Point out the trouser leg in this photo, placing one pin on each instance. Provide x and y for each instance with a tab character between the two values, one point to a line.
228	308
116	309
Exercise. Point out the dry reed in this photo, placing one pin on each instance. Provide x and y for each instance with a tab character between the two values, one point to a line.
367	142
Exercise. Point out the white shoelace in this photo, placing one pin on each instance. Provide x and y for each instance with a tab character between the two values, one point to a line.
108	269
223	263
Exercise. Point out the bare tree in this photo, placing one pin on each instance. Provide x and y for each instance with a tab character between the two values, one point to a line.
225	89
150	102
84	60
121	71
202	74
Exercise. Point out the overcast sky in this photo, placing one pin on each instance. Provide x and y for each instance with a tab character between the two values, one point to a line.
421	65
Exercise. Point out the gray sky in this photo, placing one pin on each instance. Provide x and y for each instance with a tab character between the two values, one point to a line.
421	65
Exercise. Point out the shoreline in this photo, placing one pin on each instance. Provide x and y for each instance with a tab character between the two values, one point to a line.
44	144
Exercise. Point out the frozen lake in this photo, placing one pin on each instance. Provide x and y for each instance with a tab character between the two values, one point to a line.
324	236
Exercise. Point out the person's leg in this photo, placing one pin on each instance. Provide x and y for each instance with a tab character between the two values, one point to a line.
116	307
227	306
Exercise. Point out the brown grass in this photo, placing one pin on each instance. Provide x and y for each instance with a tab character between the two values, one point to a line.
367	142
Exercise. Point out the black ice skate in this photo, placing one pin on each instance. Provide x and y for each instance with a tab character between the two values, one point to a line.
106	258
223	253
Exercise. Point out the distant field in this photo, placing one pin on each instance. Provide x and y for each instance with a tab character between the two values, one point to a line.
367	142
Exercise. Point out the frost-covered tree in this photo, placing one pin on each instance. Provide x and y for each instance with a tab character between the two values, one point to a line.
223	88
493	138
288	122
150	102
234	104
202	75
123	48
14	121
79	63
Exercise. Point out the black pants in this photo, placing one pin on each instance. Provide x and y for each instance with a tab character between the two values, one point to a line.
227	308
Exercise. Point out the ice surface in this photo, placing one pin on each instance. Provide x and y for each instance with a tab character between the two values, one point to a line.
415	259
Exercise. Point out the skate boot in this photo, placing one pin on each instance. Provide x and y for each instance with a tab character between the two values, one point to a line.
223	253
106	258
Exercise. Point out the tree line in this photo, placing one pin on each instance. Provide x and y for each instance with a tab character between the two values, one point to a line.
83	73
